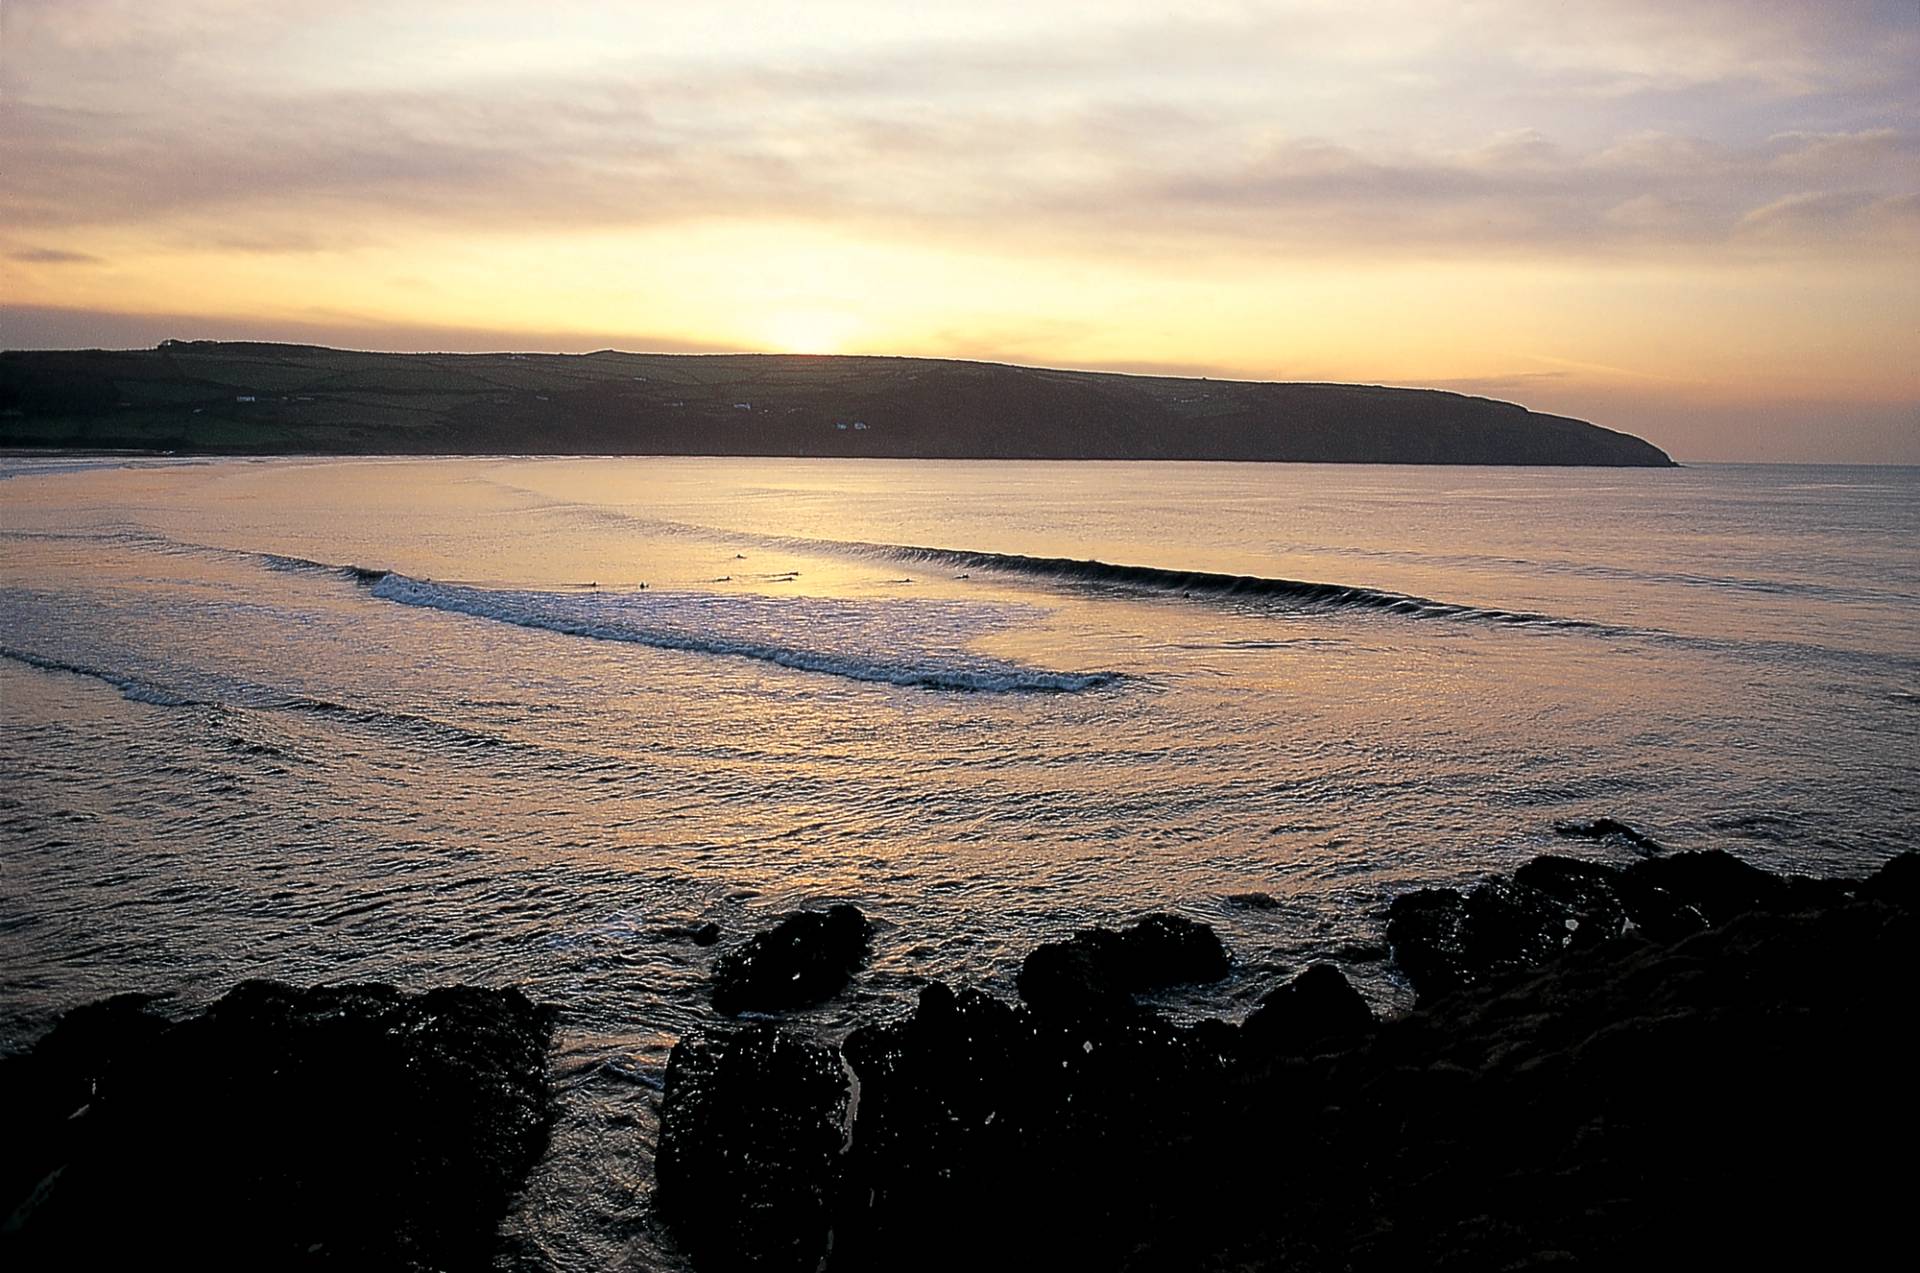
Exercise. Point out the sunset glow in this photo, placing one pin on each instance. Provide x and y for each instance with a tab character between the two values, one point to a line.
1697	223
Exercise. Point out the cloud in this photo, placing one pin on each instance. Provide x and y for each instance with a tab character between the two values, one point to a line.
1869	155
59	327
328	169
52	256
1278	128
1246	180
1830	216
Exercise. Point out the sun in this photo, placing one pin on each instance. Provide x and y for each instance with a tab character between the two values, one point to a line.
807	332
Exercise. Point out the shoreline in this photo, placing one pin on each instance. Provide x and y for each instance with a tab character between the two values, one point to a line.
1606	1098
33	452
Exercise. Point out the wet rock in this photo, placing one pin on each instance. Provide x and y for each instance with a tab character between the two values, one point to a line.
1716	884
1426	931
947	1097
1623	1104
1588	892
805	959
1100	970
706	934
975	1107
1512	926
752	1131
1172	950
1658	914
1253	901
1897	882
1444	941
1081	974
1602	828
1315	1009
352	1125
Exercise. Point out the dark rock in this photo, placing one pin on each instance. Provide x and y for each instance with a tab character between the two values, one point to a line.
1512	926
1602	828
1215	1039
1897	882
1253	901
751	1137
706	934
352	1125
1172	950
1620	1103
1588	892
1717	884
1084	973
1100	970
947	1098
803	960
1316	1008
1628	1105
973	1107
1658	914
1443	941
1426	931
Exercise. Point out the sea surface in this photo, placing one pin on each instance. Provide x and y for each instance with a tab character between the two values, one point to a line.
524	721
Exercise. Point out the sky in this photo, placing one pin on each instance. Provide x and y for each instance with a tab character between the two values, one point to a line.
1698	222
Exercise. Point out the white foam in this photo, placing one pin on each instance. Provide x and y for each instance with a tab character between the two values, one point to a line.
923	641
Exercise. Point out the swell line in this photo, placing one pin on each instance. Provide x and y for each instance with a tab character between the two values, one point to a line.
1331	596
1298	593
131	688
231	695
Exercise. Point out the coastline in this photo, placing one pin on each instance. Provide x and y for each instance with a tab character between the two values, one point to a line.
1605	1093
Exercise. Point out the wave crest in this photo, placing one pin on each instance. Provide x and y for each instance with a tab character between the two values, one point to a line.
1210	583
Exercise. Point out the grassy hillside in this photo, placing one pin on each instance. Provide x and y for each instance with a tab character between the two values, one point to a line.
236	398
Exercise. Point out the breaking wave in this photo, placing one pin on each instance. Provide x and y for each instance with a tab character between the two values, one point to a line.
304	565
916	644
1294	593
1329	596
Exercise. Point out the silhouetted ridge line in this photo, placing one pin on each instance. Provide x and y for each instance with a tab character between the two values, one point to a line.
208	397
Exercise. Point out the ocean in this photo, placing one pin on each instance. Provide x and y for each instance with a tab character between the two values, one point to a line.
526	721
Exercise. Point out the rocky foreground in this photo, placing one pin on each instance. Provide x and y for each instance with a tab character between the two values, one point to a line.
348	1127
1685	1063
1689	1062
